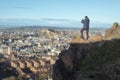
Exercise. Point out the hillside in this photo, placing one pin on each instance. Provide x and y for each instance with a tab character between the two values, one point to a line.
96	59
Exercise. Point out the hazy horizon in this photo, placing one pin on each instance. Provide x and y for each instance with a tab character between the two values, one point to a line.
51	22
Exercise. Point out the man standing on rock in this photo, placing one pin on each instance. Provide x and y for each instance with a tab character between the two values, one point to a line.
85	26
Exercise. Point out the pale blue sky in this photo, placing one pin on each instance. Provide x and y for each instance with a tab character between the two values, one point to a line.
98	10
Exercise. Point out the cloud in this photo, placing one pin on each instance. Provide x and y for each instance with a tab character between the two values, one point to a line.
50	19
20	7
56	22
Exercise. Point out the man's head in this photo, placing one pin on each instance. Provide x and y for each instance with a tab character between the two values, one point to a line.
86	16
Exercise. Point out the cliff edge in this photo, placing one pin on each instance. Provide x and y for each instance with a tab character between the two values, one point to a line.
96	59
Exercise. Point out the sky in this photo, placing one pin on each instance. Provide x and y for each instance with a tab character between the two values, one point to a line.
106	11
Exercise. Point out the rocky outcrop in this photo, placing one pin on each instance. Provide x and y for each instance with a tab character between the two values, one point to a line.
78	39
97	38
89	62
49	31
96	59
113	33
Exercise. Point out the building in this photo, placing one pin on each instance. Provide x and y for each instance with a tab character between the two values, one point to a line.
5	51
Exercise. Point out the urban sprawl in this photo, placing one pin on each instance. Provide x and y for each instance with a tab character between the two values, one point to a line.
36	48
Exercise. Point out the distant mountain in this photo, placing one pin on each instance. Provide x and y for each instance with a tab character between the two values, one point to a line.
48	22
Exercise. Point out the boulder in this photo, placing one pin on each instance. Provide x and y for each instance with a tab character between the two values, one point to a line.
113	33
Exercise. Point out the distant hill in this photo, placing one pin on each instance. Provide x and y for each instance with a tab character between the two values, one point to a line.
49	22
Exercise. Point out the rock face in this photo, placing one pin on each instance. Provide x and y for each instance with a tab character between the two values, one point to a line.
69	62
113	33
